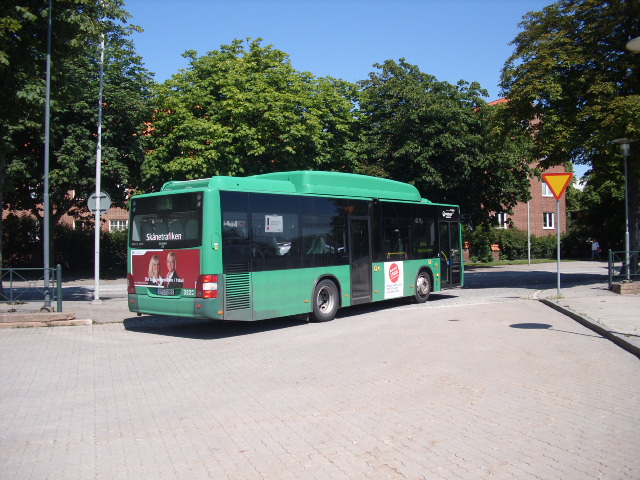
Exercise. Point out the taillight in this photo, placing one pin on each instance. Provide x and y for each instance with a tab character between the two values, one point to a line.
131	286
207	286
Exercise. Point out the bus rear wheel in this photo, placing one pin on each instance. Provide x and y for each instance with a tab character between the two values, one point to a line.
423	287
325	301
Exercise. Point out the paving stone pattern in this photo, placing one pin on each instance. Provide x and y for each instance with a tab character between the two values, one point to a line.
511	390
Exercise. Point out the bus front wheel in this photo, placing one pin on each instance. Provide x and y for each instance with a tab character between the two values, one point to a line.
423	287
325	301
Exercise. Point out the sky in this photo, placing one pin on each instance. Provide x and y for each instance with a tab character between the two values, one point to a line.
450	39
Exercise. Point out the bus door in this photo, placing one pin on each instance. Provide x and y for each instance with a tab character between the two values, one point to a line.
360	259
450	254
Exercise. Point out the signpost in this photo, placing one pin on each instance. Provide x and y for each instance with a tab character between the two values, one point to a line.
98	203
558	183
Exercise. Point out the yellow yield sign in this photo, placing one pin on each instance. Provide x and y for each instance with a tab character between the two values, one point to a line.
557	182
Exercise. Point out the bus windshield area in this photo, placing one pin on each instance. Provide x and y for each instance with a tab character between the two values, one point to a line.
167	221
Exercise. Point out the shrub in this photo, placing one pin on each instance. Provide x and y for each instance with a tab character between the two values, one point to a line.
544	247
74	249
576	244
513	244
21	245
480	241
113	252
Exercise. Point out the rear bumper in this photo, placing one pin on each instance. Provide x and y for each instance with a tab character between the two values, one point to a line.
181	307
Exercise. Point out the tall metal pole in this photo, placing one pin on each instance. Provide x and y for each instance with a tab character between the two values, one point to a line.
558	254
96	294
47	111
529	232
625	149
627	259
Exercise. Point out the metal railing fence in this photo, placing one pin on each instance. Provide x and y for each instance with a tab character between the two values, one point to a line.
23	285
622	268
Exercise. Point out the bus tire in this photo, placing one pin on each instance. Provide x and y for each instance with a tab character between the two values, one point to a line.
325	301
423	287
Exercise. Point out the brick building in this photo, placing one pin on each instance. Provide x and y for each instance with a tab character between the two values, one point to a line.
115	219
542	210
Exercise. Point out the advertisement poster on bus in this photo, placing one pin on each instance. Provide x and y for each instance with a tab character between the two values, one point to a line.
393	279
166	271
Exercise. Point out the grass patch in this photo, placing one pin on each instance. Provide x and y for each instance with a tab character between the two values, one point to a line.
557	297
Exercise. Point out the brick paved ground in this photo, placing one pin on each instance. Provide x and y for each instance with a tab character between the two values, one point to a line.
396	392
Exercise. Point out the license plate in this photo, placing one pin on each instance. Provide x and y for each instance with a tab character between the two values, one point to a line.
166	291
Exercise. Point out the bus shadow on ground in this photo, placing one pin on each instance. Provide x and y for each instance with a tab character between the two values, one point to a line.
216	329
206	329
381	306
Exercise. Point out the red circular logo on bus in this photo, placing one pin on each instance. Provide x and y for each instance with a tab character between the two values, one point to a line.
394	273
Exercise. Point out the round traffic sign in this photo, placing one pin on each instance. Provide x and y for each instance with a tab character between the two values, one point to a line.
105	202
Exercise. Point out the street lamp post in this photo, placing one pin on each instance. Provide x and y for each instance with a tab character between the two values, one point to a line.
46	203
96	292
625	148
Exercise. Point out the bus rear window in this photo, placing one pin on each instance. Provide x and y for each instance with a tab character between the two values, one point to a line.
166	221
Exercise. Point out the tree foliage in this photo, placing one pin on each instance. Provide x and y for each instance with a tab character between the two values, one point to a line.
77	28
444	139
570	70
244	111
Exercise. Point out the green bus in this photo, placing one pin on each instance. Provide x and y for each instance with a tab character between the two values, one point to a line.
287	243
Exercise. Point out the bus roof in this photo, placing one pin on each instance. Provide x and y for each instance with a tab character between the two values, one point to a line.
310	183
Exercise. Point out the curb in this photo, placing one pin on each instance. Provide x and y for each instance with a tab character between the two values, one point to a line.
27	320
619	340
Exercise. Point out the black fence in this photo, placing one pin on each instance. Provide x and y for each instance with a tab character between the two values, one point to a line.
622	267
30	285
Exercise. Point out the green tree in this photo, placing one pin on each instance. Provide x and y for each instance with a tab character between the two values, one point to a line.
444	139
246	111
77	27
602	209
74	119
571	71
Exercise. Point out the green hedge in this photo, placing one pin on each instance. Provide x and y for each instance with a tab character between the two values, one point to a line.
513	244
73	249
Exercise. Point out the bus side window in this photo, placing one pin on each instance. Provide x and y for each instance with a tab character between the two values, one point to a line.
424	238
264	246
236	244
318	246
395	244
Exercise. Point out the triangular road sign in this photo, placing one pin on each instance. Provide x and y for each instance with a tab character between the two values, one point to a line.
558	182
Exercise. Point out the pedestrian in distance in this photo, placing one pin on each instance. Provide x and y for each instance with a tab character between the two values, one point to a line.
595	250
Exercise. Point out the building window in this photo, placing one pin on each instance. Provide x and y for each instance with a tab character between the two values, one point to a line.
503	220
548	220
118	225
546	191
80	225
